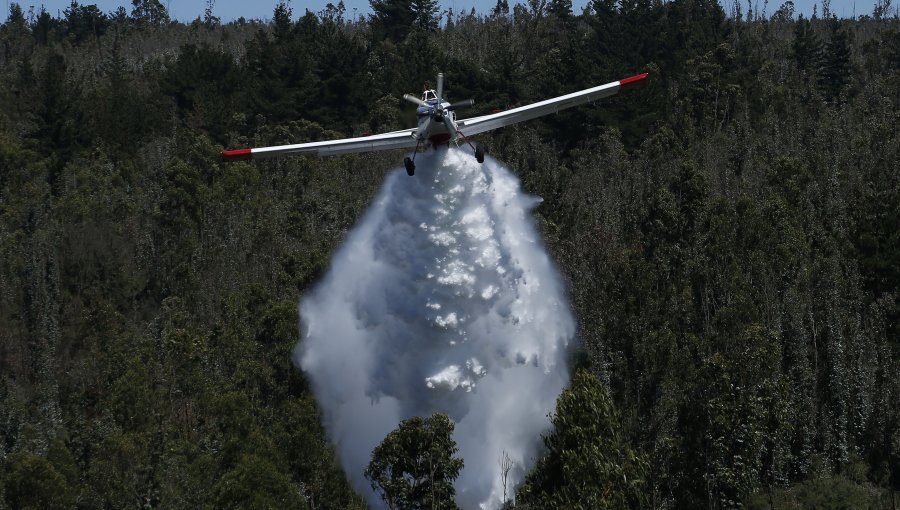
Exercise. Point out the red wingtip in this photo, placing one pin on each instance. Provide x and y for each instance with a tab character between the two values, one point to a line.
629	82
237	155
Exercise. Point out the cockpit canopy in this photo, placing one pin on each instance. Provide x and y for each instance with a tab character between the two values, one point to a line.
429	95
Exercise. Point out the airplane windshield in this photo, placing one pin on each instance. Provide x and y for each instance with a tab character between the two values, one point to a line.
429	95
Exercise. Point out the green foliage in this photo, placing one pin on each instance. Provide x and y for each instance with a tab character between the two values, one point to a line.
785	13
729	232
16	17
84	22
414	466
807	46
588	463
255	483
149	13
395	19
741	416
834	493
32	482
203	83
120	100
835	72
45	28
58	118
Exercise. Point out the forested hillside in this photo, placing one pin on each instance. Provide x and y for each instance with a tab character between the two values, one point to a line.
730	235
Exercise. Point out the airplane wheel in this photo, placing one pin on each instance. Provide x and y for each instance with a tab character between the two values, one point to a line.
410	166
479	152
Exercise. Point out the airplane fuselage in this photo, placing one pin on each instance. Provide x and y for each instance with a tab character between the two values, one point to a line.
433	130
437	125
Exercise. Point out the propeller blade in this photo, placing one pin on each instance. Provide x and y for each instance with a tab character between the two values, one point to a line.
460	104
450	129
440	87
413	99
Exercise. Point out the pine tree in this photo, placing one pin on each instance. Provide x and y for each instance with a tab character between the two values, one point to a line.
500	9
16	17
395	19
807	46
84	21
281	18
835	70
426	12
43	27
562	9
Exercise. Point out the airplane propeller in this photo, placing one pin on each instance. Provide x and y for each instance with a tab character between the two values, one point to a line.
460	104
437	111
415	100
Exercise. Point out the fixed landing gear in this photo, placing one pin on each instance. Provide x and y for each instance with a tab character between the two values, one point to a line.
477	147
479	152
410	163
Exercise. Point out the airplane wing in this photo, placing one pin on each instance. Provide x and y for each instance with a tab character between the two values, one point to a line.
385	141
476	125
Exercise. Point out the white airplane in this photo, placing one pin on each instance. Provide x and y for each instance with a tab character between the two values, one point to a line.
438	126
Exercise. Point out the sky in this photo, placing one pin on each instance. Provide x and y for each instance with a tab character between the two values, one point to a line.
229	10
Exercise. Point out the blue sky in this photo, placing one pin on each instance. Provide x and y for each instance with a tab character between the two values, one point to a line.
227	10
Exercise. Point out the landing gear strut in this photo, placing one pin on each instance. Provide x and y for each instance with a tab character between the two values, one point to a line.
477	147
410	164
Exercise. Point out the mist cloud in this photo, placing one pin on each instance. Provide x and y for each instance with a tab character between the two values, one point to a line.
443	299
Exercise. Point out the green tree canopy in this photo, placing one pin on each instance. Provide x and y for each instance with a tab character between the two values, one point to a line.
149	13
395	19
32	482
835	72
588	464
84	22
256	483
807	46
414	467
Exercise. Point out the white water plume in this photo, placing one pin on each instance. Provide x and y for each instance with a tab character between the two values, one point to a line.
442	298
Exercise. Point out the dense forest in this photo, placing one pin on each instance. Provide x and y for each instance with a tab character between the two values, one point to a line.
729	233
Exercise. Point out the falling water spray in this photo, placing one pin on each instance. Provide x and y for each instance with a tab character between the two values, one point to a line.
442	299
